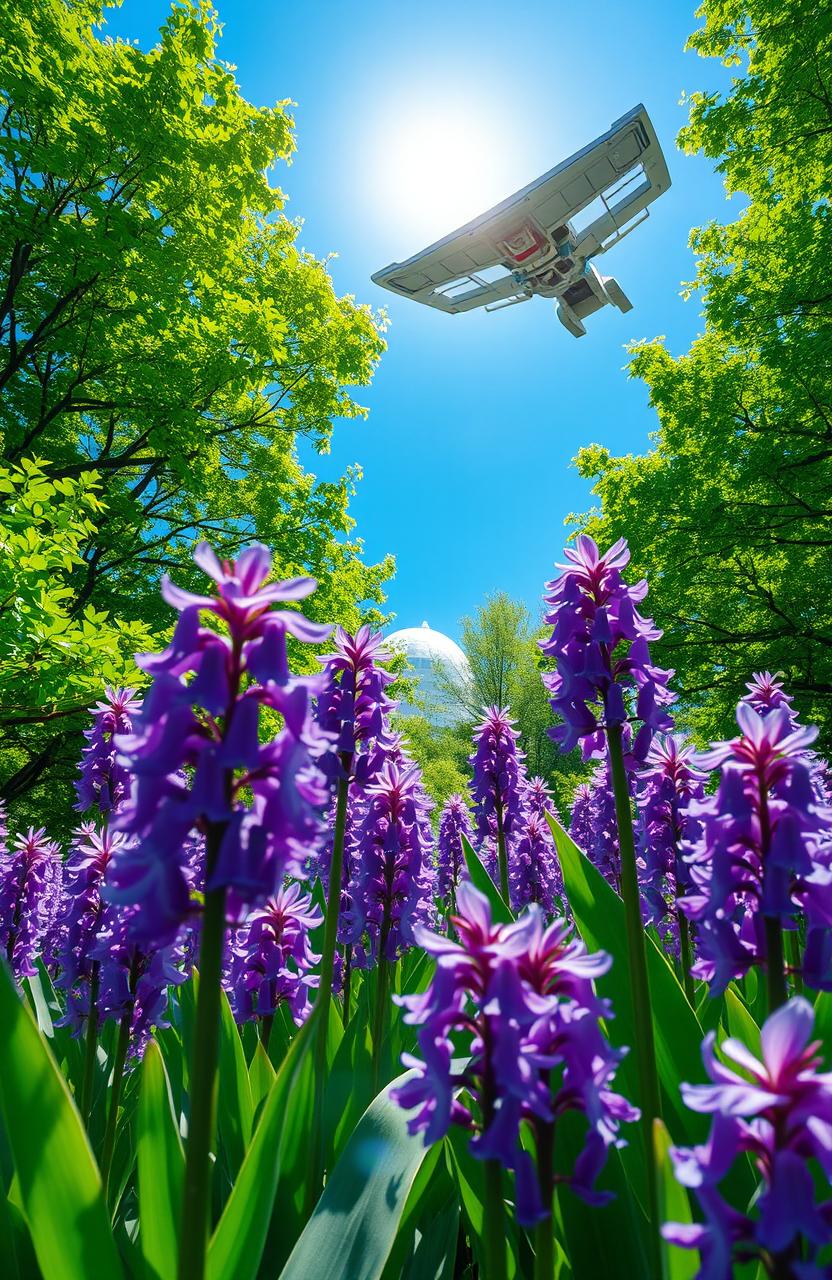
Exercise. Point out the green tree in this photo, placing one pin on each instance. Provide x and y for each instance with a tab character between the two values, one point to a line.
54	657
442	754
728	515
158	322
506	669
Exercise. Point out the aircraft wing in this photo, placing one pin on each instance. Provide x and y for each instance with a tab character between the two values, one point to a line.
492	261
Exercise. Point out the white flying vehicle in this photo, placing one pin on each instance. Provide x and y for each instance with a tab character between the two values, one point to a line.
543	239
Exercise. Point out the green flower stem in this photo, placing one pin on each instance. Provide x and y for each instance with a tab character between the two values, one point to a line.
494	1227
347	984
380	1014
323	1001
266	1031
795	961
90	1044
544	1232
333	905
644	1049
686	957
196	1198
501	854
122	1045
775	964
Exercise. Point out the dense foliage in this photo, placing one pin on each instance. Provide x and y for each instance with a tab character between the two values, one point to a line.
160	327
729	512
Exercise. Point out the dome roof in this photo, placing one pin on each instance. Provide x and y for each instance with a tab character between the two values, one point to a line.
424	642
425	649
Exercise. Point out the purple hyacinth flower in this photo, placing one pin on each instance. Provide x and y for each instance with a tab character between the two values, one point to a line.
778	1110
30	883
499	779
352	706
538	799
272	957
454	823
670	780
195	753
594	827
104	781
392	885
523	996
82	913
760	845
534	871
600	646
135	981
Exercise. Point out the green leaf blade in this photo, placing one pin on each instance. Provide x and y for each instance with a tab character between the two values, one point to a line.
161	1165
60	1186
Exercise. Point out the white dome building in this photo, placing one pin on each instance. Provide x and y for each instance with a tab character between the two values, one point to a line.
427	650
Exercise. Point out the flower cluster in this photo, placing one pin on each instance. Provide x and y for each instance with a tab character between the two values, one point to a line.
30	884
538	799
667	784
392	886
534	870
272	957
454	823
104	780
82	915
594	828
498	778
195	753
135	980
779	1111
756	856
353	706
600	647
524	996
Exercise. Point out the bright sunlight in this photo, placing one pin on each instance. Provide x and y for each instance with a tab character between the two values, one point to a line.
444	166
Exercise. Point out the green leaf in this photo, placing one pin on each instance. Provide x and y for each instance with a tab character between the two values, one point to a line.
674	1206
435	1252
469	1176
161	1163
354	1225
741	1025
349	1086
235	1111
261	1076
481	880
60	1187
599	916
609	1240
48	1010
823	1023
237	1244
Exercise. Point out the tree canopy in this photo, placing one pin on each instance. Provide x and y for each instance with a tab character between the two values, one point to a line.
728	515
161	331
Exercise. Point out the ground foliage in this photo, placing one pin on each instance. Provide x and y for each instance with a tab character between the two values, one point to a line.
729	510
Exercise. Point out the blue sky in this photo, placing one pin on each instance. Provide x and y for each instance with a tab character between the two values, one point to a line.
410	119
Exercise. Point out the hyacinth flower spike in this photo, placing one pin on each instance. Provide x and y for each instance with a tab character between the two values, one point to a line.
757	857
523	995
454	823
498	783
777	1110
352	708
197	763
604	683
668	786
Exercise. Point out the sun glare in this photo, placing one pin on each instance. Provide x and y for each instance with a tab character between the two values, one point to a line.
443	167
